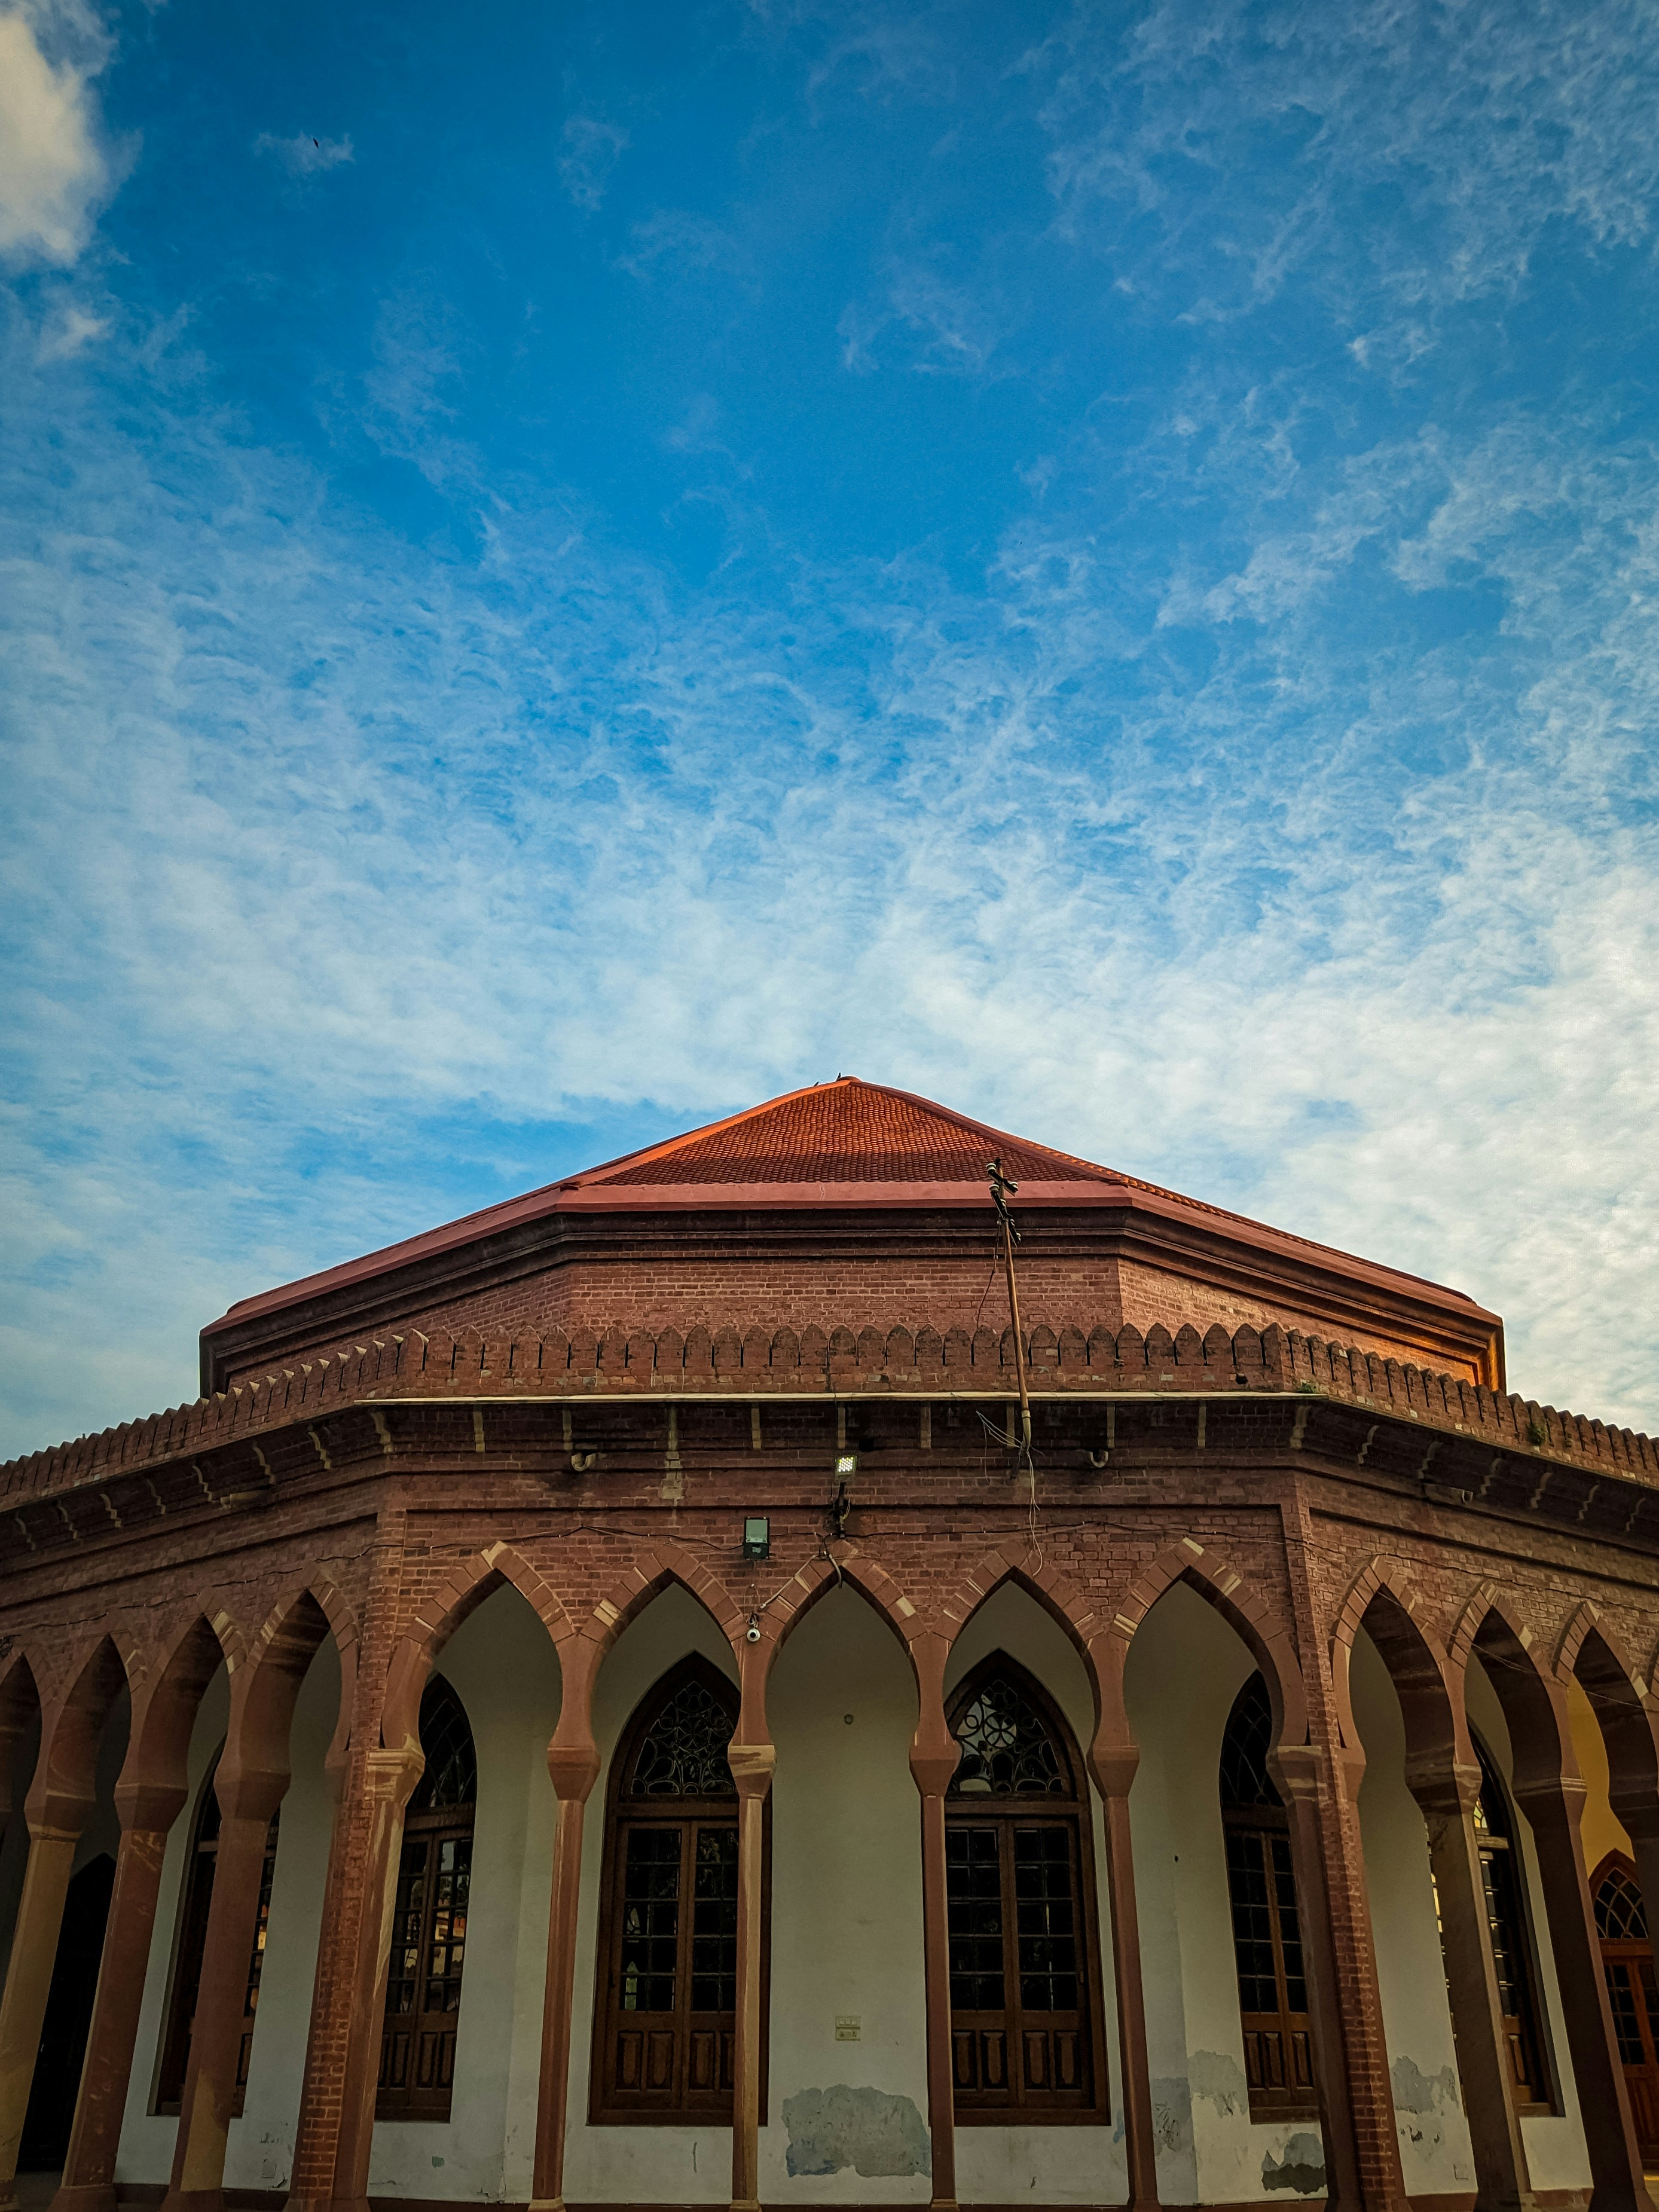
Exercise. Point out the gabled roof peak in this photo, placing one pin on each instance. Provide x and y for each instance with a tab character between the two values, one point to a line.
845	1131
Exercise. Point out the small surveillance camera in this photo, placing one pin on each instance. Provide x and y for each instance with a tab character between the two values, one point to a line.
751	1634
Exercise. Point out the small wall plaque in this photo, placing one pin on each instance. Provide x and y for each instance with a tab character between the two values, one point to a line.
849	2027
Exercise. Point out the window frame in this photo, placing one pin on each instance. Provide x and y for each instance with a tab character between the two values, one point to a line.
623	1812
435	1825
1489	1845
190	1944
1634	1954
1076	1814
1270	1824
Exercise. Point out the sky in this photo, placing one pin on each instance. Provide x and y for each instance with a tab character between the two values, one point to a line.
564	570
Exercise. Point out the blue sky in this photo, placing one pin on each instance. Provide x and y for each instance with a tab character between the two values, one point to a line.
565	570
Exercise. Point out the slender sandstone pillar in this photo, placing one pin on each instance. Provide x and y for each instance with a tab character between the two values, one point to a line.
1502	2176
88	2182
573	1760
375	1826
29	1979
1297	1772
1113	1765
752	1766
933	1756
1553	1805
199	2158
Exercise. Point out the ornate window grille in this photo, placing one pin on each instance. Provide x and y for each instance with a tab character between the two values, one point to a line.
1273	1985
1025	2009
665	2011
430	1915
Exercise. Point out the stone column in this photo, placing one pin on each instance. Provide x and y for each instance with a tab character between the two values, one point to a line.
573	1760
374	1835
752	1766
1320	1781
1114	1760
1295	1770
1553	1805
247	1802
1500	2156
371	1784
28	1979
88	2183
934	1753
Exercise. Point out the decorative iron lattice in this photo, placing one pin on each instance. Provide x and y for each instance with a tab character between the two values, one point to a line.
1006	1750
451	1776
1245	1781
1620	1914
683	1751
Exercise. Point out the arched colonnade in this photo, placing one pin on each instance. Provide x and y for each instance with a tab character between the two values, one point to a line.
375	1761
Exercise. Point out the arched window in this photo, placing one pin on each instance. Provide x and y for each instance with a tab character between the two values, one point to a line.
664	2016
1621	1921
190	1942
429	1925
1503	1875
1273	1986
1025	2011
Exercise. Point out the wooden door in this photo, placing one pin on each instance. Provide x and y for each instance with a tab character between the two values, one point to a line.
1635	2003
671	2020
1020	1993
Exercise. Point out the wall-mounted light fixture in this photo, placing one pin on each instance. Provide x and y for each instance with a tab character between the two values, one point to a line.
846	1466
757	1536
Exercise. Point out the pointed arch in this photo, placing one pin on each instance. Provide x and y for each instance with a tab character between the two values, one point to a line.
1246	1612
1591	1653
20	1704
154	1781
651	1573
1059	1596
264	1689
467	1585
1382	1599
63	1792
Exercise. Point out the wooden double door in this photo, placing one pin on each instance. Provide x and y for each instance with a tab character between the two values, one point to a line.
1634	1998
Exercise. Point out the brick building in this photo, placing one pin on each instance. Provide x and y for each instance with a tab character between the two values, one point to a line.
613	1701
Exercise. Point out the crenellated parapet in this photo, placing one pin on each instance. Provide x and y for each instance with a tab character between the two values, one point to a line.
921	1361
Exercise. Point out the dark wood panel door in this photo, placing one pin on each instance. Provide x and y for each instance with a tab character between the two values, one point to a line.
672	1997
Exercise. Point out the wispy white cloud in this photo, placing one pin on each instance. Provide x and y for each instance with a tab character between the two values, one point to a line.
415	841
68	329
305	156
54	170
592	149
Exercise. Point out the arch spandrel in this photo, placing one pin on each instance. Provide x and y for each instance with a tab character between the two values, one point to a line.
1532	1698
176	1670
62	1794
1264	1635
469	1583
1383	1601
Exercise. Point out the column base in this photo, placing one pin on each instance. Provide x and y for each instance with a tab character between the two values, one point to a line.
191	2200
942	2204
545	2205
88	2197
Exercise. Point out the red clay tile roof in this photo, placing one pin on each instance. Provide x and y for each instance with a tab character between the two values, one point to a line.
844	1131
879	1146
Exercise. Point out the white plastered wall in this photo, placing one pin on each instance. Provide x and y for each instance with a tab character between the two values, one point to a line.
1436	2156
1555	2151
636	2164
1185	1669
503	1665
847	1937
1061	2165
259	2153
